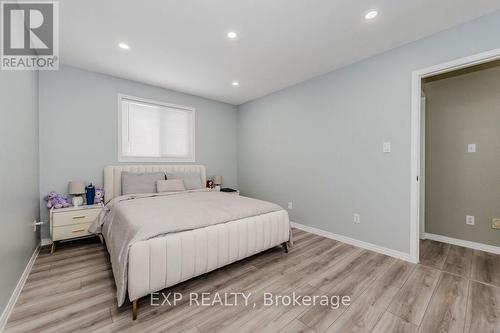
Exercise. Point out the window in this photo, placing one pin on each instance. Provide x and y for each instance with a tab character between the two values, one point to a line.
154	132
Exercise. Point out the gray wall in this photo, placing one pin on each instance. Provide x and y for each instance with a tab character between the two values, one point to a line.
18	176
319	143
462	110
78	128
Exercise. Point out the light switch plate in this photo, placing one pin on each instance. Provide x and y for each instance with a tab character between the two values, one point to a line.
469	219
495	223
387	147
471	147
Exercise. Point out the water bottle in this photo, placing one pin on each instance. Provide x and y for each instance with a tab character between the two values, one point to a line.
90	194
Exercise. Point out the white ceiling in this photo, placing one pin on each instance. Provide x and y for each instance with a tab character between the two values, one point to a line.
182	44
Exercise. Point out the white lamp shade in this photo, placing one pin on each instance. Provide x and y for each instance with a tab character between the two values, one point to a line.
218	180
76	187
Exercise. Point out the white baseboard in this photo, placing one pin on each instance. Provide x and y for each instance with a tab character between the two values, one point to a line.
45	241
365	245
463	243
15	294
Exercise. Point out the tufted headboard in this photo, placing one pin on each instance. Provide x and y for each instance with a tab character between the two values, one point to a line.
113	175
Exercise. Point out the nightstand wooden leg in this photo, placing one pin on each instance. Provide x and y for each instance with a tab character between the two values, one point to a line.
285	245
53	248
134	310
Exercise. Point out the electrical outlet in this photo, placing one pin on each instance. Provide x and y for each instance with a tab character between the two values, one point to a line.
357	218
290	205
469	219
495	223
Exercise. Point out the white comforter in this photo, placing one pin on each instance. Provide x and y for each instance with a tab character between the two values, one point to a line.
131	218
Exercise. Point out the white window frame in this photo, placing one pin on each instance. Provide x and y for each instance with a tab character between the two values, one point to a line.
125	158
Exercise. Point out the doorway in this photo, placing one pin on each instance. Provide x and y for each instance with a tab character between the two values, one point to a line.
418	142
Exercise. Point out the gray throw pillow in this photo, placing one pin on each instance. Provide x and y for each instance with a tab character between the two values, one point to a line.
170	185
192	181
134	183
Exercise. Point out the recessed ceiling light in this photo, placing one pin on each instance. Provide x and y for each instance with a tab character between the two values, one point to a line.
371	15
124	46
235	83
232	35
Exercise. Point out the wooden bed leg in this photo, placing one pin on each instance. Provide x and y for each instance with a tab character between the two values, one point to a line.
285	245
134	310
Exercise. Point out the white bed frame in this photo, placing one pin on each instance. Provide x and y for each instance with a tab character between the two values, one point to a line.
162	262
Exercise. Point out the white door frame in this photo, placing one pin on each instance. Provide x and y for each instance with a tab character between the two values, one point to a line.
421	180
416	88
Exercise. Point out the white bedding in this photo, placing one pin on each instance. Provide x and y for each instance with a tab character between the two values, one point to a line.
127	220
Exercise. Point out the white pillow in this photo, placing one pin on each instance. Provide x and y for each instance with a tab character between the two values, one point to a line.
170	185
192	181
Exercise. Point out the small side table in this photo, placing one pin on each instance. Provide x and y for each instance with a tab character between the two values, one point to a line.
72	222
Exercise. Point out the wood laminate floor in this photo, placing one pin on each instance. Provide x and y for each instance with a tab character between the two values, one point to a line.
453	290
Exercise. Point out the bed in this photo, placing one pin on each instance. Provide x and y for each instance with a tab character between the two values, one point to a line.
159	240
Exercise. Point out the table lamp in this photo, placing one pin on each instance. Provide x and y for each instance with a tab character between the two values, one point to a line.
76	188
217	182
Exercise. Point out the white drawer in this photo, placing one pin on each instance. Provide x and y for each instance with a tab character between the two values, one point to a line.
76	217
70	231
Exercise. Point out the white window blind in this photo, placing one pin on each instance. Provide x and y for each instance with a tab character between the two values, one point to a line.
153	131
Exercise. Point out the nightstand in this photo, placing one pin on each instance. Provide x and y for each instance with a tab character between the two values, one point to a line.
72	222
